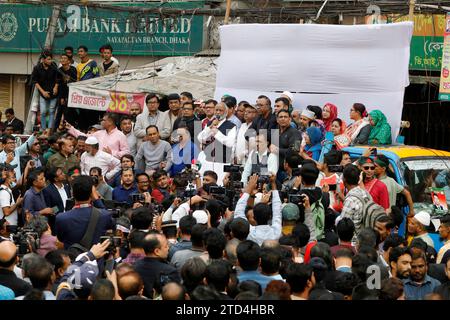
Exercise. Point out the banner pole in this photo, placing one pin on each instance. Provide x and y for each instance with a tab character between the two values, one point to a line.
227	12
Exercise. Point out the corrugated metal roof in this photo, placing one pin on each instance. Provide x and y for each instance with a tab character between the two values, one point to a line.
175	74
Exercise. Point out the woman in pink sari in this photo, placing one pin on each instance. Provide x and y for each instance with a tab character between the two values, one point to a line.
329	113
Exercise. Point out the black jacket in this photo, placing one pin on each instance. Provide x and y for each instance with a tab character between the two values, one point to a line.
9	279
17	125
156	274
53	199
259	123
286	142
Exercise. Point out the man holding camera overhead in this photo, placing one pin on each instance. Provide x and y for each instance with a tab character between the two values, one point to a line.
260	161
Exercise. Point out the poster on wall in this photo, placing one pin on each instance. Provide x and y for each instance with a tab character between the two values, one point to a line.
444	87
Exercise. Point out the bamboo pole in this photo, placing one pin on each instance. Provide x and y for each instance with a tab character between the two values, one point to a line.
227	12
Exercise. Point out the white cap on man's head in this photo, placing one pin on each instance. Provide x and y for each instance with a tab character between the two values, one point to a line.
308	114
91	140
201	216
288	95
423	217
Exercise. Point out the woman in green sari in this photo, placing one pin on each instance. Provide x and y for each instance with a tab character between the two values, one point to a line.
380	132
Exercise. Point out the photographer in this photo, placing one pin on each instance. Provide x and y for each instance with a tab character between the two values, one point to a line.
292	165
142	196
315	203
46	242
262	213
8	204
261	160
103	189
5	234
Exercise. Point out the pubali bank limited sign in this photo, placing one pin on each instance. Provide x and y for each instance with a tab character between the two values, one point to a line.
23	28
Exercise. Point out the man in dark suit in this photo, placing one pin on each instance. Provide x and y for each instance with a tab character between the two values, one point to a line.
71	225
8	260
154	269
56	193
11	120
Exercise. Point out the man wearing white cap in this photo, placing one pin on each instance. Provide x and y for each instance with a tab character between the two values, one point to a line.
305	119
93	157
288	95
417	227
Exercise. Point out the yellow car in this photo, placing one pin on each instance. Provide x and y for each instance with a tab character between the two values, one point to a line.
420	170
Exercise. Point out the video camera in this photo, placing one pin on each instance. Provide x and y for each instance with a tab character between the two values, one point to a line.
232	168
26	239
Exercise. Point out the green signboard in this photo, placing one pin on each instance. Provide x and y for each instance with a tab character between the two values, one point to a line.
426	53
23	28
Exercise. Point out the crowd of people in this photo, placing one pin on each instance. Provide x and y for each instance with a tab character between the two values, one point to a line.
207	200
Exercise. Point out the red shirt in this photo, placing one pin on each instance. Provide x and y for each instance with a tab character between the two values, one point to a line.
379	192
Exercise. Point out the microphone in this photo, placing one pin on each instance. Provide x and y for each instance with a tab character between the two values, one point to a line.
213	121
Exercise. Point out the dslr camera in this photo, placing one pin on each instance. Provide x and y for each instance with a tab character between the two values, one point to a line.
263	179
114	242
296	198
137	197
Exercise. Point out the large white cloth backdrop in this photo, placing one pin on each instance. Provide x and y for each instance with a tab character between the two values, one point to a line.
318	64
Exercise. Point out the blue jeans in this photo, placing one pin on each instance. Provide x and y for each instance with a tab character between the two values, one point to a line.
47	106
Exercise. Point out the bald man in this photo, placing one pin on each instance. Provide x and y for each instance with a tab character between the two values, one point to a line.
130	284
8	260
173	291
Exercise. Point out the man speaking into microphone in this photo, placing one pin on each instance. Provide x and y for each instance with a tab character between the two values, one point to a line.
217	139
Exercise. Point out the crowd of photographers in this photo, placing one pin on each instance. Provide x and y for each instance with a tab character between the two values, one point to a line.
122	214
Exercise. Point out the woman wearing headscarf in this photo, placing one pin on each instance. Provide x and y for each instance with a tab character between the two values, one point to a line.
380	131
317	121
341	140
359	130
313	146
329	113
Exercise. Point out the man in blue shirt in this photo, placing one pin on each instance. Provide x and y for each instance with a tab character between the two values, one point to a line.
11	154
33	200
123	192
419	284
71	225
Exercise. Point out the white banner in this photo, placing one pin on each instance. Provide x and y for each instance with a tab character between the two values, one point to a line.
103	100
318	64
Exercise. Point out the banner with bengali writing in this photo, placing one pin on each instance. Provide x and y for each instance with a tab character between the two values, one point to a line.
103	100
427	41
444	87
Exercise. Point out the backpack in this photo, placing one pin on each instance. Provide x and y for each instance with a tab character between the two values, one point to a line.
371	212
318	214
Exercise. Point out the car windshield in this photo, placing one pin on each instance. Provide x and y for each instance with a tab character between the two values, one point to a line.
426	177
